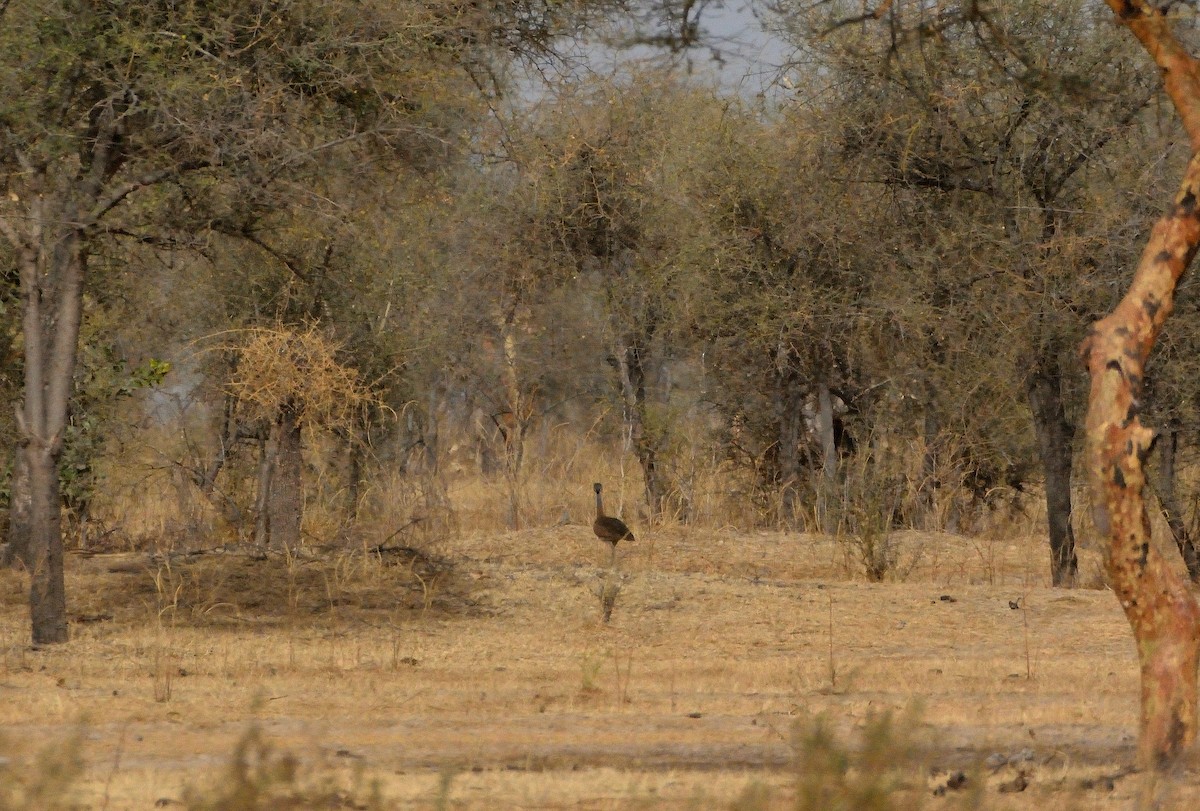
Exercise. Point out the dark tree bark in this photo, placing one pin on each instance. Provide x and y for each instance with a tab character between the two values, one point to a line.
285	500
790	432
829	456
931	430
47	593
262	495
1054	436
631	372
931	424
354	477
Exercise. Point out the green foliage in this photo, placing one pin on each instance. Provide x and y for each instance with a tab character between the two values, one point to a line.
102	382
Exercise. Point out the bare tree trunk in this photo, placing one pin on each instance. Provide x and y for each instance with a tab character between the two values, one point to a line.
514	424
1168	446
829	456
431	434
790	432
354	475
631	371
285	501
47	592
52	296
262	515
931	426
929	485
1158	603
20	512
1054	435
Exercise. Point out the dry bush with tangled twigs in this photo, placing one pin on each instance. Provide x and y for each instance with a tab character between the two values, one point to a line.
281	365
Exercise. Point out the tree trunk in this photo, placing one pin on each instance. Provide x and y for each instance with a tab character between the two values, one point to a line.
930	484
431	434
513	424
1054	436
47	592
1168	447
829	457
790	426
52	300
262	495
354	476
1157	602
631	371
285	500
20	512
935	444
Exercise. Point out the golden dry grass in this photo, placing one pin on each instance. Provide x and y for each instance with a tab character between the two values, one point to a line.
483	678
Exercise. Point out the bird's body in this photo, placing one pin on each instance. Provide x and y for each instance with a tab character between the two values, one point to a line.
608	528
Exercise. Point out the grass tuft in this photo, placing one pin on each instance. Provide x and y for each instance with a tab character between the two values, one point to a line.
47	783
260	778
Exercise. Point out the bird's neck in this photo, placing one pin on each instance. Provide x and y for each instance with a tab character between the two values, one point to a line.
599	506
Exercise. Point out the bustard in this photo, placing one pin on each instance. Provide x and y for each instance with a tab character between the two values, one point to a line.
609	528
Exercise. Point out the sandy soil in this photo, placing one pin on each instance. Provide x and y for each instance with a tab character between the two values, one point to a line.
482	677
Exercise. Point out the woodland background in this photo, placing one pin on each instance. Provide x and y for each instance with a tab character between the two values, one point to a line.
484	275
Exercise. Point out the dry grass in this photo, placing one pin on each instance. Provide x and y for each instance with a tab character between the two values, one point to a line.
484	678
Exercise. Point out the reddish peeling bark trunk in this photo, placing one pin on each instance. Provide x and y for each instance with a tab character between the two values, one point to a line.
1157	602
1159	605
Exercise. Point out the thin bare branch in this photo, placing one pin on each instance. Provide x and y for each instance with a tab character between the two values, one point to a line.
258	242
149	179
870	14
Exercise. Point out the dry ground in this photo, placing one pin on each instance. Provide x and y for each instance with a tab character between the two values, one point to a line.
483	678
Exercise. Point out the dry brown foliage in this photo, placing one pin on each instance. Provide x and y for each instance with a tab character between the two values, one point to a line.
299	366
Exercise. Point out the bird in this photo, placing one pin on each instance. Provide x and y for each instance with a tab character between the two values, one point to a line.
608	528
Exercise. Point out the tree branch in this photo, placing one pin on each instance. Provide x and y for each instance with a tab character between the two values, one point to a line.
149	179
257	241
870	14
103	163
1180	74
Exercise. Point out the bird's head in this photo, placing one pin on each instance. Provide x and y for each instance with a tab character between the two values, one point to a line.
596	488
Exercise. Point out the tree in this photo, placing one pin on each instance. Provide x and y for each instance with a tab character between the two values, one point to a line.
292	379
602	172
1159	605
1161	610
1004	127
153	122
780	309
